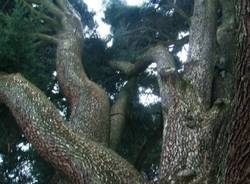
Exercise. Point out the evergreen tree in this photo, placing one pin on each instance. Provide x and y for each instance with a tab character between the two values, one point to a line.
196	101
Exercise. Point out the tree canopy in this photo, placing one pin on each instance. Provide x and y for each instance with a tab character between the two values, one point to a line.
128	112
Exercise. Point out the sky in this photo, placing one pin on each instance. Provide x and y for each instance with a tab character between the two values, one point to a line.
104	29
98	7
146	96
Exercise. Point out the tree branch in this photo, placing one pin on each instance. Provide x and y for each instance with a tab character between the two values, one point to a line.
50	7
62	4
201	59
46	38
51	22
76	157
142	62
88	102
123	66
118	113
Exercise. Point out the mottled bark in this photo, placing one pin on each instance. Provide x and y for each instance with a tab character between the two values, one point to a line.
199	70
75	156
183	120
238	161
89	105
186	98
193	115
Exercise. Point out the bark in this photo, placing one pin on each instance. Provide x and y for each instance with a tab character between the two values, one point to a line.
74	156
89	105
193	115
187	108
238	161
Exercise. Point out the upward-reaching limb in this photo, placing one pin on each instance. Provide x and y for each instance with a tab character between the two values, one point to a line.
88	102
75	156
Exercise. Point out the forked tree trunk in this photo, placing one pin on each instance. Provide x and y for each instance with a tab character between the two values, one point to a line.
186	98
192	113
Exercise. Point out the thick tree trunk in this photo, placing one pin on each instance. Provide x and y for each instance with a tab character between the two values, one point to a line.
238	161
193	114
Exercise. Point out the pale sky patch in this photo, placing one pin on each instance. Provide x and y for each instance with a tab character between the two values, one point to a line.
24	147
1	158
147	97
98	7
183	54
135	2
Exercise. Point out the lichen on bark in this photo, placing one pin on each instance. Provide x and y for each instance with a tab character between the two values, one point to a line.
193	115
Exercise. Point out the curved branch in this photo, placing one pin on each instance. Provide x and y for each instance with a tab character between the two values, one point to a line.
142	62
46	38
89	104
123	66
76	157
118	113
130	69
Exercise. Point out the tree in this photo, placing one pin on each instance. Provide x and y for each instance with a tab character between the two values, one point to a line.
195	102
238	169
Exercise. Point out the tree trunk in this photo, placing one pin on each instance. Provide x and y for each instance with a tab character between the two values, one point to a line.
89	105
186	98
238	161
194	105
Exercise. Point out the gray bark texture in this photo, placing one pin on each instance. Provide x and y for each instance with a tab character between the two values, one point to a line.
196	104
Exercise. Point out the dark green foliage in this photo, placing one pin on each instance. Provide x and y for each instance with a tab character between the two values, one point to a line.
21	52
86	16
134	29
7	5
18	53
139	144
17	47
